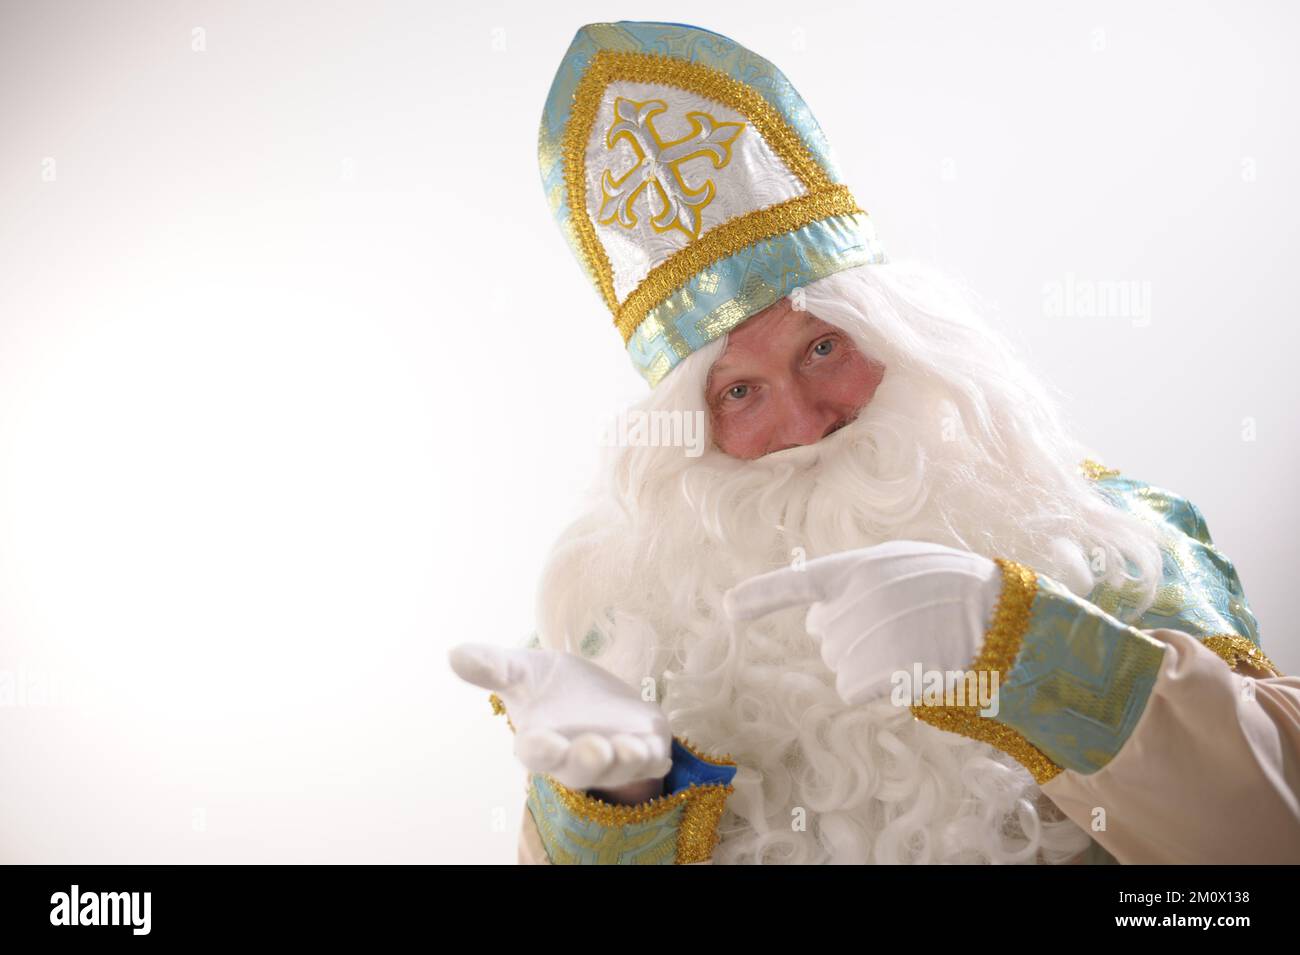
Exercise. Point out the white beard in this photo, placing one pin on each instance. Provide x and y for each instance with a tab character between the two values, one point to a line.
646	568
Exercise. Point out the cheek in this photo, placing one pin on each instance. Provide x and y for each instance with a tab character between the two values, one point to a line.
855	382
741	436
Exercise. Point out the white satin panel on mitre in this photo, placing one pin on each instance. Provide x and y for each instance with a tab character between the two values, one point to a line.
751	177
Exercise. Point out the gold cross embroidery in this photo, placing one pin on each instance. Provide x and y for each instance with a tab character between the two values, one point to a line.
658	167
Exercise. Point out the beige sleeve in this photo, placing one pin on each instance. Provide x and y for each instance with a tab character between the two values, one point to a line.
531	851
1210	774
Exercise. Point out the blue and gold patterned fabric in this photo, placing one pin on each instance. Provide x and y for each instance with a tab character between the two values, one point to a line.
679	827
1073	677
692	183
1200	593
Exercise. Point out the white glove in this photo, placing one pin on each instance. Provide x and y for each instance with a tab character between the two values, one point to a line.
572	719
882	609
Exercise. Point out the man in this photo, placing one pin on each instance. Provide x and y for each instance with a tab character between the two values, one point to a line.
889	614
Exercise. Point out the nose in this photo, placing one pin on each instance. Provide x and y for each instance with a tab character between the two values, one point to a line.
803	417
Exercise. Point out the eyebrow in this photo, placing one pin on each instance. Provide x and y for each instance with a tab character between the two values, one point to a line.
718	370
814	328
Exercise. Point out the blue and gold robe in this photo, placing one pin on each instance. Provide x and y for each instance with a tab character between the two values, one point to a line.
1135	728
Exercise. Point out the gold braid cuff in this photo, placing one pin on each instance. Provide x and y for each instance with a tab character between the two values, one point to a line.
702	804
697	832
998	654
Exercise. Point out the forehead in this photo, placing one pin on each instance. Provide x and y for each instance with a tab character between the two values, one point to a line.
771	331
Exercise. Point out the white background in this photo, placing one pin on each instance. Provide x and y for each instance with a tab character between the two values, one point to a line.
298	380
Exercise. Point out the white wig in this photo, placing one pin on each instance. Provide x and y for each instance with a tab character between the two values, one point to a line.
959	446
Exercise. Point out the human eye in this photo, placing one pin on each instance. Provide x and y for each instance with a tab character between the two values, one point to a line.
824	346
736	392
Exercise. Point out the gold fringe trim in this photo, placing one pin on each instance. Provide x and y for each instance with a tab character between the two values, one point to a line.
697	836
1001	646
1095	470
1236	649
822	198
499	709
588	807
723	760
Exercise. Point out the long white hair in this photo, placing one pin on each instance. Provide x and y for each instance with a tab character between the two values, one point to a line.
959	446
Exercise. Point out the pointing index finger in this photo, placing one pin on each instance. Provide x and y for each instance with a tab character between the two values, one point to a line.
776	590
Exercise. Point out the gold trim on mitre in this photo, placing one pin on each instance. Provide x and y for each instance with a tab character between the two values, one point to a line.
822	198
